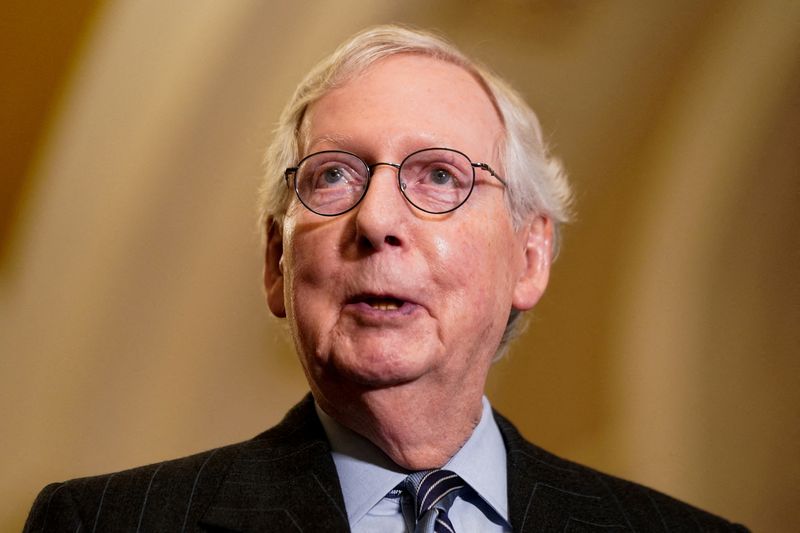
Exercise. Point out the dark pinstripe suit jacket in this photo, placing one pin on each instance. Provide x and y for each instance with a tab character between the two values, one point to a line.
285	480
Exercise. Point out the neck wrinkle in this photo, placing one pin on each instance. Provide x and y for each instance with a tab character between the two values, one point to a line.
415	434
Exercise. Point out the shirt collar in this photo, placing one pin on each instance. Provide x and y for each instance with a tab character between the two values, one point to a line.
366	474
481	462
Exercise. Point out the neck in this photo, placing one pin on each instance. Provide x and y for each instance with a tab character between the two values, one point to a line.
418	430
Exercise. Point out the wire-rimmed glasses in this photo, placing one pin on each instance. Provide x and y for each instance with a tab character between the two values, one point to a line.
434	180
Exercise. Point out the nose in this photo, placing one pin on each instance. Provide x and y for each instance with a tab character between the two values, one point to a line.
380	216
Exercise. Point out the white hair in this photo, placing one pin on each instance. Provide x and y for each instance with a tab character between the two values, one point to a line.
536	180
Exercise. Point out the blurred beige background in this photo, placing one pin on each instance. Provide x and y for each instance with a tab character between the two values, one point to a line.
132	327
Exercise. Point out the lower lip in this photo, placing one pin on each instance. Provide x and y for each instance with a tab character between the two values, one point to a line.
366	311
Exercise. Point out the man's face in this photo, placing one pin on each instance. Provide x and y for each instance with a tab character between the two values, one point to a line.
386	294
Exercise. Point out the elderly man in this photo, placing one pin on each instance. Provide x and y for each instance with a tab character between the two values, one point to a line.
410	213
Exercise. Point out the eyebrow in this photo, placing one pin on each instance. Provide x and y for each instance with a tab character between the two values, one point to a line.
337	139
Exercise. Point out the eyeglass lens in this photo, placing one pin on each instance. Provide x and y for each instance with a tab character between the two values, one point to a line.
434	180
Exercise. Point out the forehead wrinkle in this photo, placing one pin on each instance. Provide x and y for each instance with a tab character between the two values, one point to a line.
398	145
406	143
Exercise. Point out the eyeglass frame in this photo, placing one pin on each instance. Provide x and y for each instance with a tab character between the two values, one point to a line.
292	171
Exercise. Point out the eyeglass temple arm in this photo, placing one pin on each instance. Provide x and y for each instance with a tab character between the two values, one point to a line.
491	171
288	172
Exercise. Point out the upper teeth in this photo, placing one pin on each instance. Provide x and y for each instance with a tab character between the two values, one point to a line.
384	305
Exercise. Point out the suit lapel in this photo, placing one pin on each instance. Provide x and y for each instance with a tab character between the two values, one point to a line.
546	493
284	480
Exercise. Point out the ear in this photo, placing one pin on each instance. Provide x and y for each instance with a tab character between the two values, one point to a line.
273	268
537	239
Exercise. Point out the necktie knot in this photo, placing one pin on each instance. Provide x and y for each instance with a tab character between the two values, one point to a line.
434	489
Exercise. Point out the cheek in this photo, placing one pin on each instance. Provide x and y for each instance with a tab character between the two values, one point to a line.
474	296
475	271
307	291
452	265
310	252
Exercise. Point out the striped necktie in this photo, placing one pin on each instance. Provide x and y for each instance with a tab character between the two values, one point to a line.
433	492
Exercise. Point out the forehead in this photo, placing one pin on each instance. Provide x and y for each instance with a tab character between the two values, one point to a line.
405	102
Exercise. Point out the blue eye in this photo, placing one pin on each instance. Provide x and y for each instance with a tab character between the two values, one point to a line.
441	177
332	175
335	176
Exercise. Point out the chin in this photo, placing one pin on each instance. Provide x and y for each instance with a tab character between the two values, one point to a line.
380	367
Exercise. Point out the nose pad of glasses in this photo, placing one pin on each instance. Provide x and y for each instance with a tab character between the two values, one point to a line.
395	166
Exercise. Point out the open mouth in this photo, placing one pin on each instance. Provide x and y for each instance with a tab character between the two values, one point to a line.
384	304
379	303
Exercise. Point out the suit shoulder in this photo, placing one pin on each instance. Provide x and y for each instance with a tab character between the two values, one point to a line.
640	508
169	495
640	503
53	504
122	499
206	463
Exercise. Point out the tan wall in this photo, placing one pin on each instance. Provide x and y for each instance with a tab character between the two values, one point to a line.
132	328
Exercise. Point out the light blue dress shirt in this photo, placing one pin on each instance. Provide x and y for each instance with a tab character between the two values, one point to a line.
367	475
